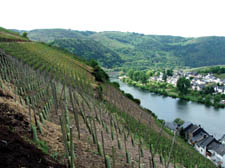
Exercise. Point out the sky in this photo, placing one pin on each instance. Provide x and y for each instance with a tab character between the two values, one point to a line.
188	18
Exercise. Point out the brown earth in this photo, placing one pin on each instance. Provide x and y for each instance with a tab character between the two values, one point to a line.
14	150
16	153
15	118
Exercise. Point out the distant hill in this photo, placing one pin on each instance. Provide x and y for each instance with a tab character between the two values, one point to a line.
139	51
90	49
49	35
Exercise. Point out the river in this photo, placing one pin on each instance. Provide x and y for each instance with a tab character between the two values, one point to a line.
168	109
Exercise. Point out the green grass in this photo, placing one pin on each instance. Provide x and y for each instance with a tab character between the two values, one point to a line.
6	34
49	59
185	154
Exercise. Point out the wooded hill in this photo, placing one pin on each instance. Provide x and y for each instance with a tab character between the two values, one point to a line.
51	100
139	51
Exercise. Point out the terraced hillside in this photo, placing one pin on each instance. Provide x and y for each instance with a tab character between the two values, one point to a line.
6	35
52	100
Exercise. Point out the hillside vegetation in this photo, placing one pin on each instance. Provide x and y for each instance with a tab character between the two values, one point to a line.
139	51
53	101
6	35
90	49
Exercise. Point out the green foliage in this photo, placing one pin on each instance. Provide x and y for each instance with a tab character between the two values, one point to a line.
100	150
183	85
133	50
164	77
24	34
182	151
49	35
208	90
116	84
43	146
179	121
208	100
90	49
10	35
34	133
169	72
218	71
99	73
217	99
138	75
108	164
48	59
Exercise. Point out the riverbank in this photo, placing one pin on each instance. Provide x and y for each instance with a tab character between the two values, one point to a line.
166	89
168	109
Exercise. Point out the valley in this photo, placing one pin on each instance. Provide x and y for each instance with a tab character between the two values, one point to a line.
68	109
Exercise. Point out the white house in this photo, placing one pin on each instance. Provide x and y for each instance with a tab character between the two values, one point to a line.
220	89
220	154
202	146
217	152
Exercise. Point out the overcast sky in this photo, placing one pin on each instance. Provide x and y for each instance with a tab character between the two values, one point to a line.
165	17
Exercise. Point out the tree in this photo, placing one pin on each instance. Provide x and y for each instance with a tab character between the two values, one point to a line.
136	76
217	99
179	121
149	73
208	90
164	77
143	77
130	73
99	73
208	99
183	85
24	34
169	72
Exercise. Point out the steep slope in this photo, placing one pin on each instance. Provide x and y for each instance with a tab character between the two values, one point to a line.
87	126
16	146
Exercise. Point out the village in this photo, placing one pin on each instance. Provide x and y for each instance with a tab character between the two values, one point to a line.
203	142
198	81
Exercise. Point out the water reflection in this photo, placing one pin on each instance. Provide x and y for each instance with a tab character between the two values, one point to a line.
181	102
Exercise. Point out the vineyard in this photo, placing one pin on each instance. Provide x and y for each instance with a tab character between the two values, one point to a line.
6	35
82	122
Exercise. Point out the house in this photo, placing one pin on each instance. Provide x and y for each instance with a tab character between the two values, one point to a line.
186	130
222	139
197	135
200	87
220	154
202	145
220	89
186	125
211	150
217	152
172	126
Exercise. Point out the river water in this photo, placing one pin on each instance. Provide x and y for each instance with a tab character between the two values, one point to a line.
168	109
